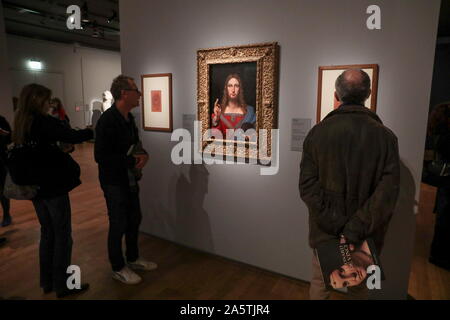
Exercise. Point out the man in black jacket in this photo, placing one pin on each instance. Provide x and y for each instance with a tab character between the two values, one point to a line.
120	158
349	175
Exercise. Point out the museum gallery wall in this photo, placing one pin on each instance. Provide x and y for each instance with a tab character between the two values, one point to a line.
232	210
77	75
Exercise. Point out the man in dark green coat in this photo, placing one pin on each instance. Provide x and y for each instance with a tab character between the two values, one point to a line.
349	175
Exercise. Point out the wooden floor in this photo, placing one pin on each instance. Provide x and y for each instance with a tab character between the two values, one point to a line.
183	273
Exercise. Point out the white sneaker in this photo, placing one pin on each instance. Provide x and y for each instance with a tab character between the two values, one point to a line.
141	264
126	275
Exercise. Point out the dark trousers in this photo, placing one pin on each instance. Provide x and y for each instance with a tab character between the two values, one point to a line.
441	239
125	216
5	205
55	248
3	200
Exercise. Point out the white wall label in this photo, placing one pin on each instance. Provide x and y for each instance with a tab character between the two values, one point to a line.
299	130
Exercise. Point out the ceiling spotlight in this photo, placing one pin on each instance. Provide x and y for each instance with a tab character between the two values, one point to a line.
112	17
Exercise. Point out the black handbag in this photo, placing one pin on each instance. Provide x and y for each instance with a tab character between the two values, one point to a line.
23	161
58	172
44	165
22	192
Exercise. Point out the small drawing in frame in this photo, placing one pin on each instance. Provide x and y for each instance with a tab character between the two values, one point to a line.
157	102
326	101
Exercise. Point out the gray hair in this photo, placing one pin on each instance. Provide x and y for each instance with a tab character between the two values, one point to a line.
120	83
353	86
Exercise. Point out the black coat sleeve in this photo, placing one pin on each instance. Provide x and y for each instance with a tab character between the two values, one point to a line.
52	129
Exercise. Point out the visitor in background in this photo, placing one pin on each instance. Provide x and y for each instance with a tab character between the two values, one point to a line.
57	111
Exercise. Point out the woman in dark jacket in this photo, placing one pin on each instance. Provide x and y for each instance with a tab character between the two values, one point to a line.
57	174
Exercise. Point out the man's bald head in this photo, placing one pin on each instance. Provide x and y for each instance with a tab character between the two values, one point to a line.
353	86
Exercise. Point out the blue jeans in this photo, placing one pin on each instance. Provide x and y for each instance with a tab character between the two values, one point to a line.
55	248
125	217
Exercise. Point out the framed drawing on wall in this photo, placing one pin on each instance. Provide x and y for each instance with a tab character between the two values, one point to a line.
237	89
157	102
326	101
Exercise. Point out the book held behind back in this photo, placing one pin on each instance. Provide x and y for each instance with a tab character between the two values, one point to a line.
345	265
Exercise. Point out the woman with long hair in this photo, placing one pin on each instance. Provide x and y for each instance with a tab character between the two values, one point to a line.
58	175
233	112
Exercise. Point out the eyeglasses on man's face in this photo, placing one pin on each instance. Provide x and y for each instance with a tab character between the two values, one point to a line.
135	89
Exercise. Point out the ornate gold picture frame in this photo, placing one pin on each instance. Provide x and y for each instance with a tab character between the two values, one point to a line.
253	69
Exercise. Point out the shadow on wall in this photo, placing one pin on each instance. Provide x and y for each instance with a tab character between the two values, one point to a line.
184	220
192	225
397	252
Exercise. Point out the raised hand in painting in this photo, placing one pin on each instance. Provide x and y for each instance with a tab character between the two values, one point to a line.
217	110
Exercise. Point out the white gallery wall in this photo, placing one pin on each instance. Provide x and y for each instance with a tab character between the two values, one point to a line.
6	105
77	75
231	210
